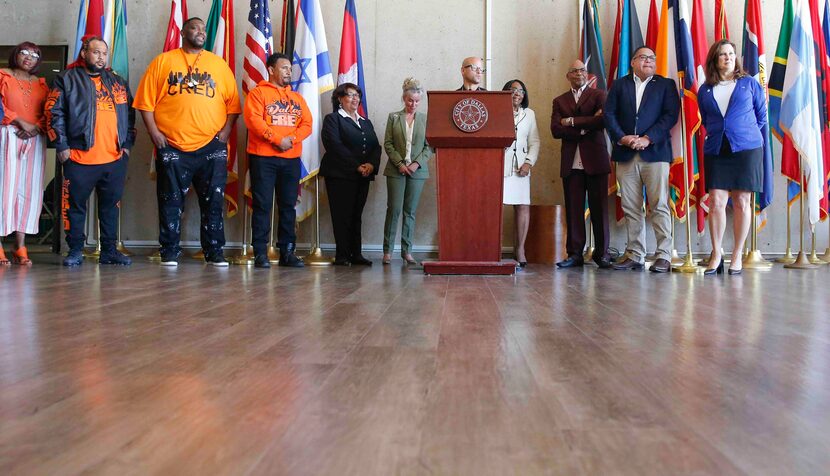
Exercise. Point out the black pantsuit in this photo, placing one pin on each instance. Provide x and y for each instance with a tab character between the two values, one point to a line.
348	146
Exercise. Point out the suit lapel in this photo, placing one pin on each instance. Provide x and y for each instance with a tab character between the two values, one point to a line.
631	92
582	97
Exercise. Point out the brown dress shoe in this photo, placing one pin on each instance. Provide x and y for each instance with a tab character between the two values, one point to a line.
661	266
629	265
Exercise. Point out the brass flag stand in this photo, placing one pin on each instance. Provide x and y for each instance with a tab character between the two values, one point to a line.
788	256
814	258
119	245
688	265
801	261
589	251
753	258
826	255
94	253
675	257
246	254
315	255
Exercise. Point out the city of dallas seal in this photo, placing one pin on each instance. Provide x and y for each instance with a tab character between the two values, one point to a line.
469	115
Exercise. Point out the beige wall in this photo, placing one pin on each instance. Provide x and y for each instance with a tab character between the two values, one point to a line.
532	40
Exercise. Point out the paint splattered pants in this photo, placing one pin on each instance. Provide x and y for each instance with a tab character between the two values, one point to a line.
207	170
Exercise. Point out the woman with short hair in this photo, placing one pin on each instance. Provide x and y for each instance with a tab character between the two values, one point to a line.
22	148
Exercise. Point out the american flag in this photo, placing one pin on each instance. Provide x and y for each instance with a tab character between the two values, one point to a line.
259	44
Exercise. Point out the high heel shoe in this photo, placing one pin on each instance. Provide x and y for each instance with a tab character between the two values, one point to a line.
733	272
409	259
387	258
716	270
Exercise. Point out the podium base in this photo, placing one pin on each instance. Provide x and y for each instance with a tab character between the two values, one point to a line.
501	268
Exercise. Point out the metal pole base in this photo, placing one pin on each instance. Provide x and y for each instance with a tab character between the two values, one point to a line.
155	257
589	254
801	262
754	260
119	246
244	258
315	257
273	254
816	259
788	257
199	255
826	255
688	266
676	259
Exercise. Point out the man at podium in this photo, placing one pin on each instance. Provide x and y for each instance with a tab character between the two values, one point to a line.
472	70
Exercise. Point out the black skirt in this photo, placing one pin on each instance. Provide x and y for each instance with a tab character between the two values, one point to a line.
729	170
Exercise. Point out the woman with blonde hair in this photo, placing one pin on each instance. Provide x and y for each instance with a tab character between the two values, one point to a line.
406	171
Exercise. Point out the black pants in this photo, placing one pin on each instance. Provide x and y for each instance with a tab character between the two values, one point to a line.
577	184
346	201
108	182
207	170
267	174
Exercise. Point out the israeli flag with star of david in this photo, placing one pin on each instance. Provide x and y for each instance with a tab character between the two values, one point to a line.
311	77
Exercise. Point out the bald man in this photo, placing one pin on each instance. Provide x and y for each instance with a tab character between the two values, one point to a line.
578	121
472	71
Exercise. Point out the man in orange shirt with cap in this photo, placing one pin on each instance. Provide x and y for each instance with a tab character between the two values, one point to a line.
189	101
278	121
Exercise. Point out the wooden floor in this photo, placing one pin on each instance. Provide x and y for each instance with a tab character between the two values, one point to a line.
385	371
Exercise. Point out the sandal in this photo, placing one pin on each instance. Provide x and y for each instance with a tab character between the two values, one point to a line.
3	260
387	258
21	257
409	259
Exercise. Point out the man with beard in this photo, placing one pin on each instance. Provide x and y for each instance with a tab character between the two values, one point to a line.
189	102
278	120
92	123
577	120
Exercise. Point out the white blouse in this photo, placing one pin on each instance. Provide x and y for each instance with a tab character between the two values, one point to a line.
723	93
409	128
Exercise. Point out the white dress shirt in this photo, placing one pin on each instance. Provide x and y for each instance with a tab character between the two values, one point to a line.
640	88
578	158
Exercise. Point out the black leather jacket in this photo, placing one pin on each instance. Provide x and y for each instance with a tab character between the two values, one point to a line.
71	110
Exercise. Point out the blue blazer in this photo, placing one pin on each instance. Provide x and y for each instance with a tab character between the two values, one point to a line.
746	117
658	113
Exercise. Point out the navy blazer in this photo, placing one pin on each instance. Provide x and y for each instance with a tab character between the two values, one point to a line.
348	146
659	110
746	117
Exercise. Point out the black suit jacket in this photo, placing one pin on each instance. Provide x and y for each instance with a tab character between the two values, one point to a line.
593	148
658	113
347	147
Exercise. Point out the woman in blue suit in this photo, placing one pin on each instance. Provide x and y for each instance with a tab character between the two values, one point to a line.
734	112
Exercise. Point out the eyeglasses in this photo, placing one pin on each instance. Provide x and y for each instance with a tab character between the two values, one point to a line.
517	91
475	69
352	95
30	54
646	58
577	70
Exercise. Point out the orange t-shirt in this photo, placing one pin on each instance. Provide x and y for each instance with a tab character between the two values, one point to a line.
23	99
190	96
105	148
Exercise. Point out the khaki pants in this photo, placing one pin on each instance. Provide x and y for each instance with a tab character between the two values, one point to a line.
632	176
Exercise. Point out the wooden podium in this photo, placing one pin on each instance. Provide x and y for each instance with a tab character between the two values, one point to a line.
469	131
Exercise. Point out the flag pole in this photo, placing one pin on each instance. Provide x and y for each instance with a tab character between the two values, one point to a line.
119	245
315	255
788	255
273	252
96	252
589	252
826	255
246	255
801	261
753	258
688	265
675	257
814	258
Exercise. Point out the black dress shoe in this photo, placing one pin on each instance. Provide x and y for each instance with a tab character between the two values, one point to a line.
342	262
661	266
522	264
733	272
716	270
603	262
628	265
570	262
261	261
360	260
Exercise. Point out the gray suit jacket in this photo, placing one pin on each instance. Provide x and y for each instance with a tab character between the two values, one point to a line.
395	144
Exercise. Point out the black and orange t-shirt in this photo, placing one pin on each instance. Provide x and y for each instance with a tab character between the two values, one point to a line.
190	95
105	147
